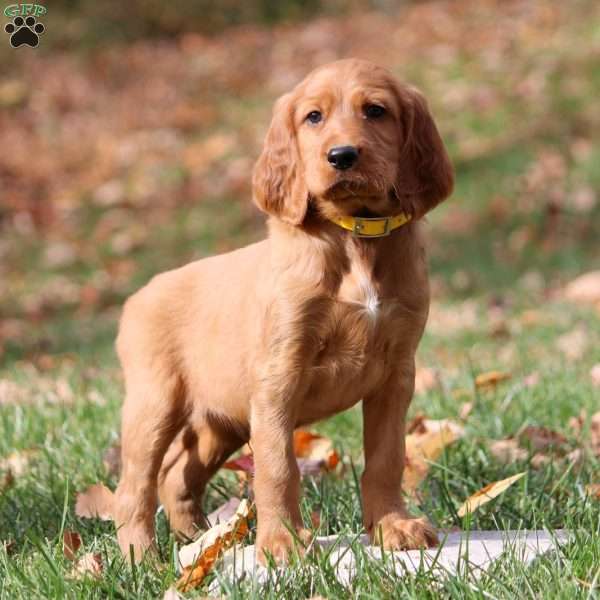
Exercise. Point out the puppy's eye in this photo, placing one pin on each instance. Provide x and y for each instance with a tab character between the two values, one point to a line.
314	116
374	111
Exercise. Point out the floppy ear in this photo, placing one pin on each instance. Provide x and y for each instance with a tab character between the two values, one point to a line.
425	173
278	181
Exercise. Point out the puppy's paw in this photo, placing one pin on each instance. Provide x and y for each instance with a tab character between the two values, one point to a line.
137	540
281	544
401	532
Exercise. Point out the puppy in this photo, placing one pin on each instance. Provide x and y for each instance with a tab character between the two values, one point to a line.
324	313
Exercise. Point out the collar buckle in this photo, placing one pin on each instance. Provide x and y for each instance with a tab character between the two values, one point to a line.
359	225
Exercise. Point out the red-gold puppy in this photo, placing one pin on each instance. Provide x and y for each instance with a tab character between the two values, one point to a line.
324	313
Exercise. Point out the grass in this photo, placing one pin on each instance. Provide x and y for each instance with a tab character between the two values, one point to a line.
498	253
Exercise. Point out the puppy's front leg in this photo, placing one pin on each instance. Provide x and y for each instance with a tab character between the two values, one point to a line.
277	478
384	514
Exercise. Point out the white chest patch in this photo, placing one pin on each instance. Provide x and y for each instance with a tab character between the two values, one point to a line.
370	299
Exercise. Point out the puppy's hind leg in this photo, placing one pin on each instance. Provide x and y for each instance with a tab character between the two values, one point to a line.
153	413
192	459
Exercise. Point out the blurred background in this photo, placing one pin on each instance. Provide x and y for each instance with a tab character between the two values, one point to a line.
128	136
127	139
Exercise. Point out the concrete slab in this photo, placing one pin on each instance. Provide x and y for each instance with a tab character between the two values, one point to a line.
474	550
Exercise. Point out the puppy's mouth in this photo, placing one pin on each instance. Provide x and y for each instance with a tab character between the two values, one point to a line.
364	213
351	189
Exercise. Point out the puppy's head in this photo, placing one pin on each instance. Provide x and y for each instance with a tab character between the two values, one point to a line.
353	141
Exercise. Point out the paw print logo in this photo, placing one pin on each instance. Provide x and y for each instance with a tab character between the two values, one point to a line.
24	31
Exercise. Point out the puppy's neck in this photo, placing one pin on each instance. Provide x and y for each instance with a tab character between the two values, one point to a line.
319	249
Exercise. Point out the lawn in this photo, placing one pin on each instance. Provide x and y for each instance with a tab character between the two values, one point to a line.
110	201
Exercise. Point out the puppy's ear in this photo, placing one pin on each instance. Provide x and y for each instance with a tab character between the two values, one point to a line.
278	185
425	173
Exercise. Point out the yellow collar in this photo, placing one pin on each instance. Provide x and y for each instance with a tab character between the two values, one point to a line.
371	227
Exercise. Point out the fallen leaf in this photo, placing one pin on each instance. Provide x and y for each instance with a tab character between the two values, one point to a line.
491	379
224	512
423	446
89	565
11	393
595	375
574	343
465	410
172	594
487	493
508	451
539	460
15	465
316	447
95	503
595	433
576	423
575	456
593	490
531	380
425	379
244	463
420	424
541	438
71	543
13	92
198	558
584	289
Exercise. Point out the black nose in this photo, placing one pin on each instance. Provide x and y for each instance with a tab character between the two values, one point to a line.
342	157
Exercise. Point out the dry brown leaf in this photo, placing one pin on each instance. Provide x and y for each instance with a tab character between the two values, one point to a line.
199	557
574	343
315	447
17	462
465	410
95	503
508	450
593	490
89	565
71	543
14	465
425	379
584	289
491	379
595	375
531	380
539	460
487	493
576	423
11	393
595	433
425	445
575	457
541	438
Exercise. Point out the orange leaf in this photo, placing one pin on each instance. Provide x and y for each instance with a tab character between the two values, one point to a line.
425	445
487	493
593	489
199	557
315	447
491	379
